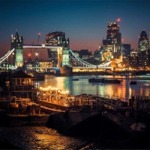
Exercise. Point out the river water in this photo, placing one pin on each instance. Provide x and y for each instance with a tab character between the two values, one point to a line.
123	91
37	138
44	138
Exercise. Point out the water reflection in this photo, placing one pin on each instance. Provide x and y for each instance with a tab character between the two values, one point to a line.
82	86
38	138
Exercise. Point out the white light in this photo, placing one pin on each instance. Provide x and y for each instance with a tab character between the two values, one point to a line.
36	54
43	45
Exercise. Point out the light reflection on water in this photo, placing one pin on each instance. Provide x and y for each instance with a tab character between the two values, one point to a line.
39	138
82	86
30	138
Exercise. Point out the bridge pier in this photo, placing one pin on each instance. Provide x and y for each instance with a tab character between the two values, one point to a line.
66	70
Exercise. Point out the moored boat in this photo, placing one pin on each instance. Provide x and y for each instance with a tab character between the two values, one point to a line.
133	83
104	80
24	119
22	111
76	79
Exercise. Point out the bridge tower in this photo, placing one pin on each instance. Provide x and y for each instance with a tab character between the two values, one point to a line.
65	55
58	39
17	43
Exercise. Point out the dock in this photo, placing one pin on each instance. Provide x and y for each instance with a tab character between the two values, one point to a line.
75	109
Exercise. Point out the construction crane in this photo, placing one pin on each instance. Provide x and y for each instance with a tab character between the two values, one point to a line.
39	35
36	54
36	51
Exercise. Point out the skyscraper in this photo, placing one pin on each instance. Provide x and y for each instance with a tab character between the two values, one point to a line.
57	39
113	34
112	43
143	50
143	43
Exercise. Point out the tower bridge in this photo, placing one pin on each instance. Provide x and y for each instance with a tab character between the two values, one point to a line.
60	58
42	46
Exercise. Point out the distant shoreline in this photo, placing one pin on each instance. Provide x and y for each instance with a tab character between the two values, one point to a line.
123	73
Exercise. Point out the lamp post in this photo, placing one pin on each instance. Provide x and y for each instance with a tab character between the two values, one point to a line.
7	83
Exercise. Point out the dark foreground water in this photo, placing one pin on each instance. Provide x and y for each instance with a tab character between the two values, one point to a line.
93	134
43	138
39	138
34	138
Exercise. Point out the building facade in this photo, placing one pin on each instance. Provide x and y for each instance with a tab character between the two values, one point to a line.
143	50
112	43
143	43
133	59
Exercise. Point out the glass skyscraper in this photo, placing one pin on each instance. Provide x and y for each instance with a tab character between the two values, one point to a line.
112	43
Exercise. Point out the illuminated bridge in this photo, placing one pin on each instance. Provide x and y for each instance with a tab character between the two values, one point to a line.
63	56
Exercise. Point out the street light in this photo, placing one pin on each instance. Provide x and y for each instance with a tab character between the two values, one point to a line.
7	83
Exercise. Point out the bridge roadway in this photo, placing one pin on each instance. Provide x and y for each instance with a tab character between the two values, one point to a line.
42	46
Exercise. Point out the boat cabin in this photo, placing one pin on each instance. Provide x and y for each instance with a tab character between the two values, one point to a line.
22	85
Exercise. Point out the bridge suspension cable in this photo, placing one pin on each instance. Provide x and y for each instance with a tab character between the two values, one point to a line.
84	63
9	52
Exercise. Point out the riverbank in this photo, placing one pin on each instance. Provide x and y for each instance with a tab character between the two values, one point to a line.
109	72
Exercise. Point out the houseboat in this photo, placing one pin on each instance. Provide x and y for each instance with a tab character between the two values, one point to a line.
19	103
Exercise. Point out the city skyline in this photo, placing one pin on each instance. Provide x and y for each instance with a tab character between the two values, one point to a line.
84	22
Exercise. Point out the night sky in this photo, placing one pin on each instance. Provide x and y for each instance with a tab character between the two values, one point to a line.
83	21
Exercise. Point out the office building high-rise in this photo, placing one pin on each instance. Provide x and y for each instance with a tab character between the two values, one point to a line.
112	43
57	39
143	50
133	59
143	43
113	34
